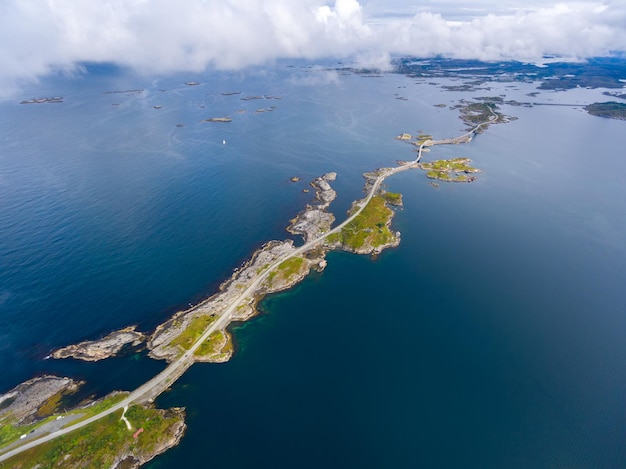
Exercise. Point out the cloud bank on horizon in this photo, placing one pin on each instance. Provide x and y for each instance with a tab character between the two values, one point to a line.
38	37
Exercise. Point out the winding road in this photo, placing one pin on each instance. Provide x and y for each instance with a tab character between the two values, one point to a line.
152	388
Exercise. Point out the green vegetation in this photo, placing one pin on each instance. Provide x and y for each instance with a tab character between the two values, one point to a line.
441	175
610	110
453	165
491	99
333	238
262	268
369	227
10	431
98	444
97	407
286	269
50	405
193	332
404	137
217	343
393	198
476	113
454	170
290	266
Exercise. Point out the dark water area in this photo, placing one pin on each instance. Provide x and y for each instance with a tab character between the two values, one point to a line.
491	337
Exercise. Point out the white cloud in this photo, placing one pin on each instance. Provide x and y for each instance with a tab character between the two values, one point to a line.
158	36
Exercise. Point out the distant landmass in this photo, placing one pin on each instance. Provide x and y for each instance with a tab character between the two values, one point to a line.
602	72
611	110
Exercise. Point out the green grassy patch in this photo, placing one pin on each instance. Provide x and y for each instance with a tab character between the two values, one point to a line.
212	345
452	165
454	170
333	238
97	407
262	268
48	407
441	175
290	266
286	269
10	431
98	444
393	198
193	332
370	226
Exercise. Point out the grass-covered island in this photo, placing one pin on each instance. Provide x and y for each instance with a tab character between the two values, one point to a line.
454	170
610	110
369	232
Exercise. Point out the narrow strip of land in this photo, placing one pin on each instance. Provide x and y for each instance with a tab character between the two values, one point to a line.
152	388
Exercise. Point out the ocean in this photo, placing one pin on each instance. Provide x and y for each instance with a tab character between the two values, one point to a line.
491	337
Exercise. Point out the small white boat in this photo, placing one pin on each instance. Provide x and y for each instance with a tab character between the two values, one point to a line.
223	142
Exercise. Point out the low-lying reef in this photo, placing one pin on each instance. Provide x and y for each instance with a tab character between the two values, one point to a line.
453	170
100	349
217	119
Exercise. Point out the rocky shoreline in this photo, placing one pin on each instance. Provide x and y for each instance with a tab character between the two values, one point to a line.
24	402
166	343
315	219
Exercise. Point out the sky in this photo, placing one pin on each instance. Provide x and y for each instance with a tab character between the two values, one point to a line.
40	37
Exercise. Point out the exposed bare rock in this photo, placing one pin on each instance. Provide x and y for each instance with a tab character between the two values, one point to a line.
22	403
314	219
323	192
100	349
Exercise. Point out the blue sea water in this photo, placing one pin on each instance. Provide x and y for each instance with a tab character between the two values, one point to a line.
491	337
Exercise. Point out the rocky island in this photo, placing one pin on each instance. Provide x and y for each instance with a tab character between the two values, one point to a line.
217	119
453	170
108	346
54	99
